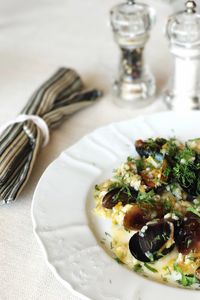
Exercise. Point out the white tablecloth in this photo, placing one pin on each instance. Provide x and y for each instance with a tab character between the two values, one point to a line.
36	37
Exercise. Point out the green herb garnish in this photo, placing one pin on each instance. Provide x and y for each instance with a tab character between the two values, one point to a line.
124	189
171	147
150	268
168	270
186	280
194	211
167	172
167	205
137	268
118	260
97	187
146	198
184	174
157	238
139	165
107	234
102	241
130	159
185	167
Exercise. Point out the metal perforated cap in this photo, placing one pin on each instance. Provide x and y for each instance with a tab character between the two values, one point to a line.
183	28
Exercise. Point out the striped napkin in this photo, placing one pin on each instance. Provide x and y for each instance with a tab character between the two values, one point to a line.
60	96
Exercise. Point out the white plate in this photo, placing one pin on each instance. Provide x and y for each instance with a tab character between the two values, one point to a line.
62	215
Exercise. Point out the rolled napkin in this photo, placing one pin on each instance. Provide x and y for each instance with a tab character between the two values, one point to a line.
21	139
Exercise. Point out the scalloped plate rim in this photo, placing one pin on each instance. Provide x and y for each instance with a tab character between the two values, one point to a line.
66	284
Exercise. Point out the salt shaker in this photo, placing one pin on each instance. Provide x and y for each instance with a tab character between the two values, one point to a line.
131	23
183	32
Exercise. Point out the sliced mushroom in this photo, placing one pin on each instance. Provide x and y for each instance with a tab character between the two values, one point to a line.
148	180
150	147
155	177
187	234
119	195
134	218
135	248
153	241
197	273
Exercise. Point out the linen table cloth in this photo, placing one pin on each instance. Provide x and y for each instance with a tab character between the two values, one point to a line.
37	37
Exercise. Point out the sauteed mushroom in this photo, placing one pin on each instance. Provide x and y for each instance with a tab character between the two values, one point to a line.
197	273
134	218
150	147
187	234
153	241
119	195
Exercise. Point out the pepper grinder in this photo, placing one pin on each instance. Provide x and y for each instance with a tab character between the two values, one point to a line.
131	23
183	32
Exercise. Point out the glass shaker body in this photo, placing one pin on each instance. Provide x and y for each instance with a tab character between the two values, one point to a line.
131	24
183	31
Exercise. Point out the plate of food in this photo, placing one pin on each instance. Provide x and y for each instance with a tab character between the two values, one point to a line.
117	215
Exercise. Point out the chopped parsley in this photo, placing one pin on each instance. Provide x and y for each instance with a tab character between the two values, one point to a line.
177	268
177	213
186	155
167	205
171	148
184	174
107	234
118	260
167	171
137	268
150	268
186	280
157	238
139	165
185	169
152	142
97	187
126	190
146	198
130	159
102	241
194	211
168	270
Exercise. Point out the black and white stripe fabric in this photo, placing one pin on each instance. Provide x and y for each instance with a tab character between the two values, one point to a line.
60	96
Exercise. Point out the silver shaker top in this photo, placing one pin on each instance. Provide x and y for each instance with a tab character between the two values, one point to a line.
183	28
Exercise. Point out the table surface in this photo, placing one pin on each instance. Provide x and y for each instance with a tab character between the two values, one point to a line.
37	37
